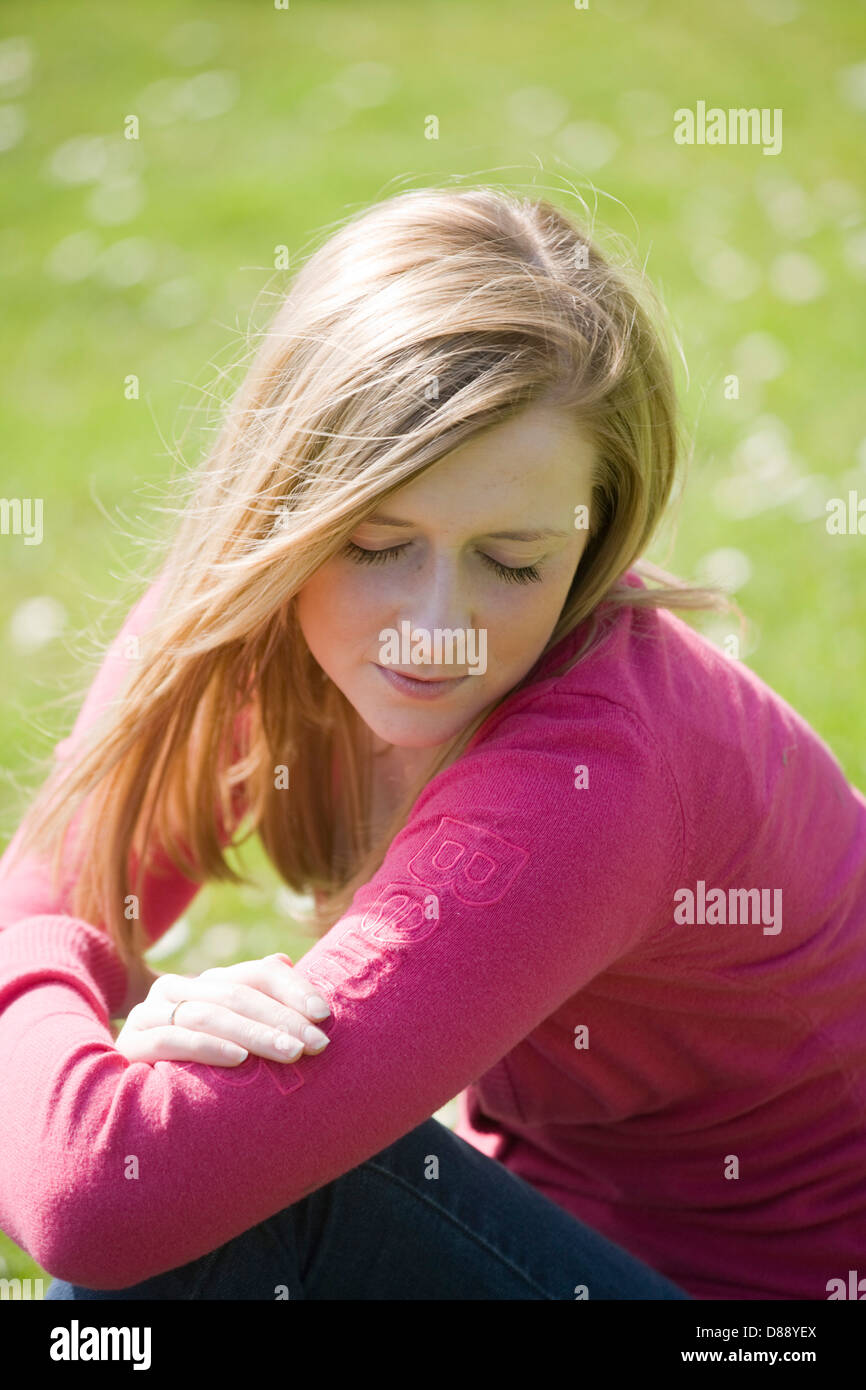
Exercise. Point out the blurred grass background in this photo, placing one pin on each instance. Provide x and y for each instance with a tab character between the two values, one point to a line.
258	128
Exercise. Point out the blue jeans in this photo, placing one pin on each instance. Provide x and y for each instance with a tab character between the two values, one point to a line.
389	1229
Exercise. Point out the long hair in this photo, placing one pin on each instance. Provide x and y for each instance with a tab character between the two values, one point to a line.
419	322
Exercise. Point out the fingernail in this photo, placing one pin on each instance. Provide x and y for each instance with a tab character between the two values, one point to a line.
316	1007
293	1047
316	1038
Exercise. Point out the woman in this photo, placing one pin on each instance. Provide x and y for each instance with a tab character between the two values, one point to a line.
570	860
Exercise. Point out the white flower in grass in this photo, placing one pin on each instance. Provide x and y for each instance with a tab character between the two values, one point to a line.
536	110
83	159
174	939
16	66
586	144
760	357
116	200
796	277
126	262
36	622
725	269
174	304
13	124
191	43
852	85
364	84
206	95
727	567
222	942
75	257
296	906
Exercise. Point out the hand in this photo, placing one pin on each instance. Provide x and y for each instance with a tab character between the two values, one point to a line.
226	1013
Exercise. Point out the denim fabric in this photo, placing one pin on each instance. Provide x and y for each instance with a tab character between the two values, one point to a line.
392	1229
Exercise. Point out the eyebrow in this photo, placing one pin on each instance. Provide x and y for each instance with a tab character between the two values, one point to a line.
543	533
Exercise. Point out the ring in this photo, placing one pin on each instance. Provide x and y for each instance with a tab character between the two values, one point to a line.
175	1009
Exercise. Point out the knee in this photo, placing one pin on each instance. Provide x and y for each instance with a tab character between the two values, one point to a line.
418	1153
58	1288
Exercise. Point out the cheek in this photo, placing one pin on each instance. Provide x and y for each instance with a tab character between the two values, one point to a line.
519	630
509	655
316	607
516	638
332	614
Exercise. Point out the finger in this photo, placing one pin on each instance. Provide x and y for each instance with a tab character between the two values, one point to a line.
259	1008
177	1044
226	1007
282	981
284	1042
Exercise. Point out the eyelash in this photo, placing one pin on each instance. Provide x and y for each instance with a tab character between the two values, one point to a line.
525	574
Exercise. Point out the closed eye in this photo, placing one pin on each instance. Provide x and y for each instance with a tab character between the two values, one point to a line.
523	574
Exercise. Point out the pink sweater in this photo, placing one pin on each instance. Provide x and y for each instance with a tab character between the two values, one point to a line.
695	1090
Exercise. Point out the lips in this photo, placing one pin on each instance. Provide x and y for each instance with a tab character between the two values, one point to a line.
425	680
419	687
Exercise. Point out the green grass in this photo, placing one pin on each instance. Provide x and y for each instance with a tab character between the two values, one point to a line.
291	154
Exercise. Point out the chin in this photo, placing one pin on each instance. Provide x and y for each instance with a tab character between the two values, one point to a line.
401	738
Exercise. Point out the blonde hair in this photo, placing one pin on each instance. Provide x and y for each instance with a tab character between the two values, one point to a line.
422	320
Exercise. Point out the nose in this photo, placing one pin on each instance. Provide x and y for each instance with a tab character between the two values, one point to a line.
436	601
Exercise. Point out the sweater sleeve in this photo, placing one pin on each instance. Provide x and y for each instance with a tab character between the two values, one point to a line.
54	967
509	888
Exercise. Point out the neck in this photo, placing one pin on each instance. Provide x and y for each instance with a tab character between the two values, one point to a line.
402	764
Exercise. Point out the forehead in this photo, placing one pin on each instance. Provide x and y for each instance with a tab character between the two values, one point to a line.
529	470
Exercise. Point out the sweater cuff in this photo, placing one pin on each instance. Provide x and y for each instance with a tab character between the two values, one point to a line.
38	949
